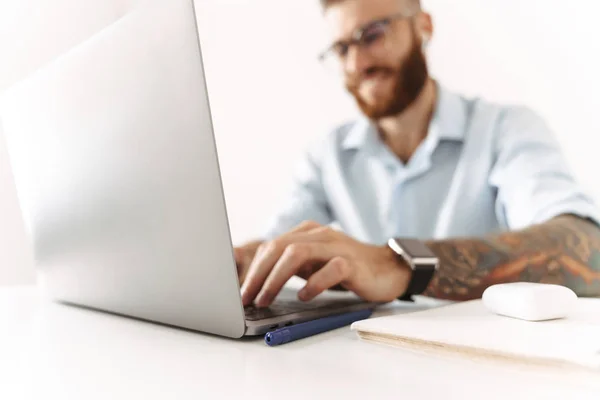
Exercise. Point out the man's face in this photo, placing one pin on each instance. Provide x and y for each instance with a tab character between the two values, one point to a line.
386	73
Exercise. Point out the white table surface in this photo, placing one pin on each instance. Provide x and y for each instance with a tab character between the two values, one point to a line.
53	351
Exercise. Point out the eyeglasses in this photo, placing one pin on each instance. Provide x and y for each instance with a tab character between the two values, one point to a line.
370	36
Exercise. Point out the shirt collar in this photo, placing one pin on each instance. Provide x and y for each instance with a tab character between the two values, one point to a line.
359	134
448	122
450	116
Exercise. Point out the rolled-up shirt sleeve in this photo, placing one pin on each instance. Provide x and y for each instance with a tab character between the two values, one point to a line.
533	180
305	198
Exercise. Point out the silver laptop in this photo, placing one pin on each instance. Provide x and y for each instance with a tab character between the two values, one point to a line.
115	163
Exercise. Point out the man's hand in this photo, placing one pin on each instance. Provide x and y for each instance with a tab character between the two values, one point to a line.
244	256
325	258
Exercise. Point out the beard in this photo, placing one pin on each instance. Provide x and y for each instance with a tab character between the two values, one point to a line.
409	80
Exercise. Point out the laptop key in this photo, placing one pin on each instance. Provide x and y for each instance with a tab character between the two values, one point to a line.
254	314
285	307
275	310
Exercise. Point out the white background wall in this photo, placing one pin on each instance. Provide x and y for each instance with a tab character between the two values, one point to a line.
270	98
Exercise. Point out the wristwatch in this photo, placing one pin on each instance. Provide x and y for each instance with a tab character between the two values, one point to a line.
421	260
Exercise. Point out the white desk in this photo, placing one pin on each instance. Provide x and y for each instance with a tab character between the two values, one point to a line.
52	351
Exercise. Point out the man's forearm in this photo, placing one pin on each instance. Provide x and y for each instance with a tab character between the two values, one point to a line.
563	251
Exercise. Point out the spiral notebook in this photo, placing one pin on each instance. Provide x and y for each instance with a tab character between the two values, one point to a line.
469	329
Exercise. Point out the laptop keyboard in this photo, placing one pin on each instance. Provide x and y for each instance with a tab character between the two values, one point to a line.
277	309
286	307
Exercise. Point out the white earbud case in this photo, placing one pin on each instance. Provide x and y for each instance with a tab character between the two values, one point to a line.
530	301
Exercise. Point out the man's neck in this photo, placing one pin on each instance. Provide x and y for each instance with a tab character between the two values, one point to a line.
404	132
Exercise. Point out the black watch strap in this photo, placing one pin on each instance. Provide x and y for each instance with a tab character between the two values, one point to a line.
420	259
420	279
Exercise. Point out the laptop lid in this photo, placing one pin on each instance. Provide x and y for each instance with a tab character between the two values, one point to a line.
117	174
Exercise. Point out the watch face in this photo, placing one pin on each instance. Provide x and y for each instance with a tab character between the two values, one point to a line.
415	248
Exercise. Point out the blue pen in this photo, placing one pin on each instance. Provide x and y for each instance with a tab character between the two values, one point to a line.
310	328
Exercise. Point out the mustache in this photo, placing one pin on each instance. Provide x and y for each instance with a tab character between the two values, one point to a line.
353	81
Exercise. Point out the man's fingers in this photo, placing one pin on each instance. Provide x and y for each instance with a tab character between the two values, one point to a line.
306	226
295	257
240	257
243	260
335	272
268	255
243	257
261	266
238	254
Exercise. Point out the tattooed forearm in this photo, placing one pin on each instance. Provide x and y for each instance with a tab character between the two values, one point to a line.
565	251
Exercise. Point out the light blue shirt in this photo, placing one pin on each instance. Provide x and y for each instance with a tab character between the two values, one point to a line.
482	168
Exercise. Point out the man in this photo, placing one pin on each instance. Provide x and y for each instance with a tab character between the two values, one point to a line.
484	187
